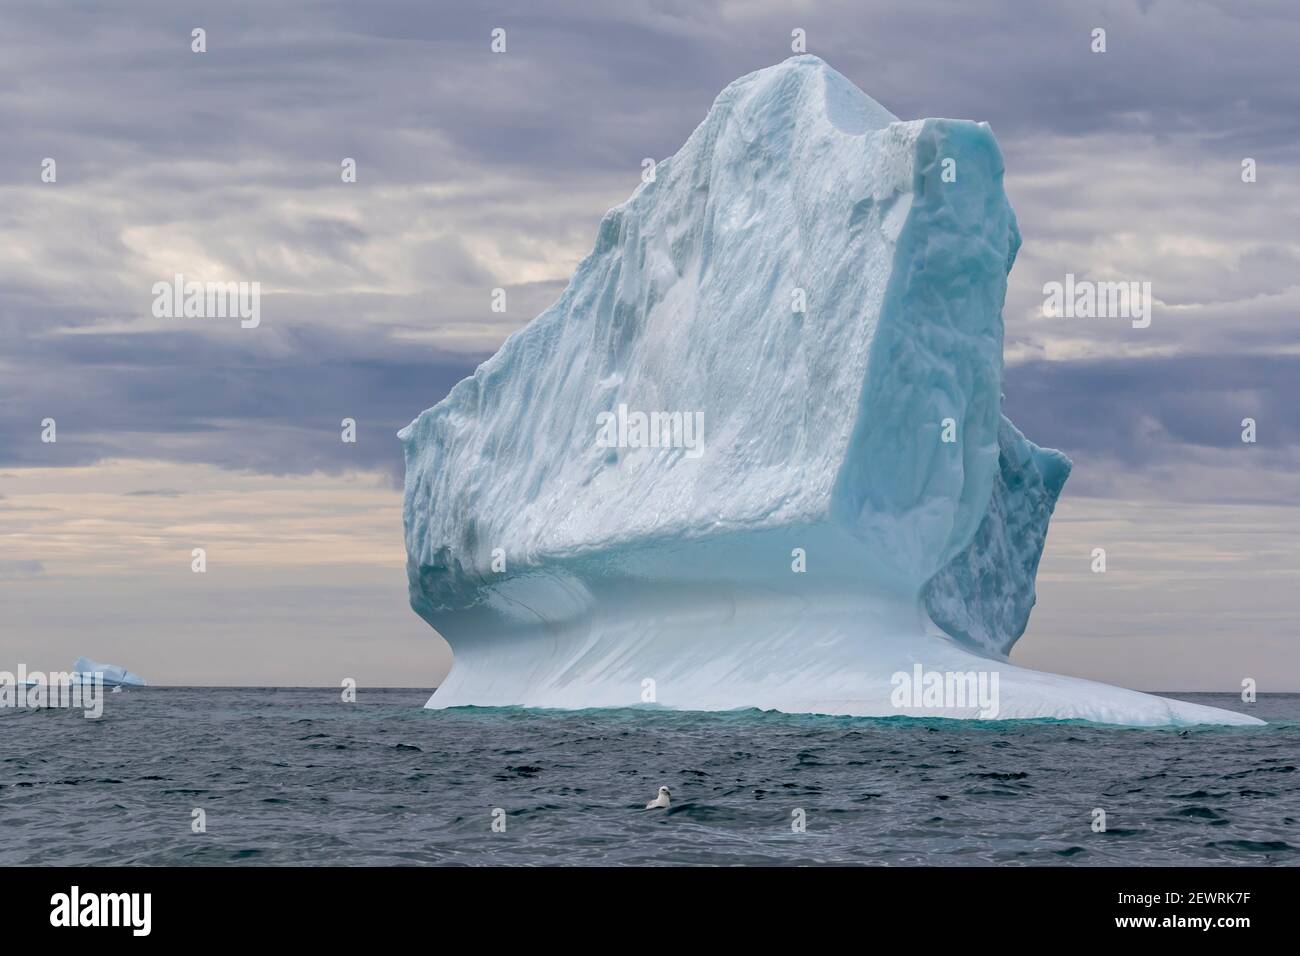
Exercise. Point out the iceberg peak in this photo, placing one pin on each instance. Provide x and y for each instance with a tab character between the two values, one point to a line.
803	85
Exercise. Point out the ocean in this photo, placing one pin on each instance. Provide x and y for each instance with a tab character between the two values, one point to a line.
296	776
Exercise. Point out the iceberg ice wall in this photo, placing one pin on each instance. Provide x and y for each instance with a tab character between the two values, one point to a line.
861	437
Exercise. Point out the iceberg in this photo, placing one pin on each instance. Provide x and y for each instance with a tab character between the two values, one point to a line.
754	456
85	670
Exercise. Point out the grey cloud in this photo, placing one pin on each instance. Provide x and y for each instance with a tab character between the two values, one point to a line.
20	570
477	170
187	398
1170	425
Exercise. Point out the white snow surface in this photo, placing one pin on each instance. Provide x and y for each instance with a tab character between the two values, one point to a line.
567	574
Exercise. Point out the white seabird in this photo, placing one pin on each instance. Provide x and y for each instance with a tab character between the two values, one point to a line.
660	801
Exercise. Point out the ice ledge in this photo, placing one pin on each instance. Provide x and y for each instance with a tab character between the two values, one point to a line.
561	642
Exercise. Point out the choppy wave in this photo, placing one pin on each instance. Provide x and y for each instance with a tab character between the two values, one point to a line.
299	777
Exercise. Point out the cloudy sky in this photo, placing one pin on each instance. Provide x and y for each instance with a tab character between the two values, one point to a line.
478	170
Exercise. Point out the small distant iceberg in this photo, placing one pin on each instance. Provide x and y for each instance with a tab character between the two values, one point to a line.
84	671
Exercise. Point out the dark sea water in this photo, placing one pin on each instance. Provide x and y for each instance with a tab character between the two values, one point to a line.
295	776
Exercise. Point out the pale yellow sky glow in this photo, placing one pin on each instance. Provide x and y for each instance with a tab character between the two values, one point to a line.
128	517
93	566
97	561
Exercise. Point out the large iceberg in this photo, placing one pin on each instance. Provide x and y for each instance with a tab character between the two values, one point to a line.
754	456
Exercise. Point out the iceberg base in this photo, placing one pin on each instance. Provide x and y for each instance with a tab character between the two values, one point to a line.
553	643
